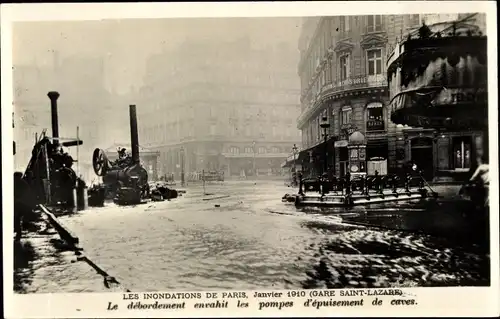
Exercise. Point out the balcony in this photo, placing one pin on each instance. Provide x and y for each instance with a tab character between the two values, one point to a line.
357	82
375	125
352	83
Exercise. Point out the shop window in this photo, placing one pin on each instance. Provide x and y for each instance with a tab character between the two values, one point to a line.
374	61
346	115
344	67
375	117
377	150
374	23
462	153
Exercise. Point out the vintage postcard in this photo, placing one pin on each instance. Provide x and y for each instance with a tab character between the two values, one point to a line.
252	159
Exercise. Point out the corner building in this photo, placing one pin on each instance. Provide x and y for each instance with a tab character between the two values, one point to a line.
343	76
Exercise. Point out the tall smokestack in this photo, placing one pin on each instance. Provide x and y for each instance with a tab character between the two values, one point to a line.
53	96
133	134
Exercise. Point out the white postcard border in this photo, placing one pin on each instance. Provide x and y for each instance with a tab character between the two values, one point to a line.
431	301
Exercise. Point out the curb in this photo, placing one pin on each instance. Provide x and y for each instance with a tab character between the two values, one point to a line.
110	282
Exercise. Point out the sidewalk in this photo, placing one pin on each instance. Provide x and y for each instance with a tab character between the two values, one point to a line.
45	263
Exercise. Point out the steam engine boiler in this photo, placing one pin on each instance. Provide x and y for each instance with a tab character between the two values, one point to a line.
50	171
125	180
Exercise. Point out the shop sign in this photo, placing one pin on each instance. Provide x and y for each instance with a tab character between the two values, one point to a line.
345	83
342	143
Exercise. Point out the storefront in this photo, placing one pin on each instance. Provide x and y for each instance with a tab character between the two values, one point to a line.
312	160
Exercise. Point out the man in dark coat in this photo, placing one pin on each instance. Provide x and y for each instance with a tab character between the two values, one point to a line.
24	203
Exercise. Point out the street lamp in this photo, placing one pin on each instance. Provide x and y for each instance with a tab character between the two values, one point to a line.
254	171
182	166
294	151
325	125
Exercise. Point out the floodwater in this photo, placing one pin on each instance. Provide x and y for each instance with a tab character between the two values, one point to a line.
249	239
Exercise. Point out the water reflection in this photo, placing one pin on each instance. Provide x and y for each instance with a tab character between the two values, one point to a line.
251	240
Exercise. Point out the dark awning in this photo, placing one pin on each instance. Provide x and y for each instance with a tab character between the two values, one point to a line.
319	148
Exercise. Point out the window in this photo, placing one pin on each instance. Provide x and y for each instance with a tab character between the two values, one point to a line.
276	150
344	24
374	61
346	115
318	128
248	149
213	129
375	117
332	122
274	130
461	153
262	150
234	150
414	20
374	23
329	72
344	67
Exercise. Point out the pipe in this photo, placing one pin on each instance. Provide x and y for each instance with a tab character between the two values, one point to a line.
53	96
134	135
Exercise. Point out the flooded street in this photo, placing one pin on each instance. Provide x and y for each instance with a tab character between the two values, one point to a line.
248	239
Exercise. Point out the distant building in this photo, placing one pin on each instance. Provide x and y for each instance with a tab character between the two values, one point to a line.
221	106
84	102
342	70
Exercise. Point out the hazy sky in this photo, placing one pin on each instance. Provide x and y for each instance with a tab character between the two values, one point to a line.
128	43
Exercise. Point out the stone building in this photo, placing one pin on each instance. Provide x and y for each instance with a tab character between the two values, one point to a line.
220	105
343	63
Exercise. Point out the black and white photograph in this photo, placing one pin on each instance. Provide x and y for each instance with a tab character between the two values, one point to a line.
251	153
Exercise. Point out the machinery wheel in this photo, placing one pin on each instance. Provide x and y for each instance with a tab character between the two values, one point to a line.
100	162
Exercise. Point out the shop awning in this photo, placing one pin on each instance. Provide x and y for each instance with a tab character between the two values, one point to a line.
304	154
426	107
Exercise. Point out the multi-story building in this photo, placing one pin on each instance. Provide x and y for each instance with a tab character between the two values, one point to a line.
342	70
220	105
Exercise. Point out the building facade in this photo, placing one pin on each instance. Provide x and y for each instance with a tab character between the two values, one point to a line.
343	77
220	106
83	99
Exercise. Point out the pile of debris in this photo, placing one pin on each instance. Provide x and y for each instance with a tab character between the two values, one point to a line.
159	191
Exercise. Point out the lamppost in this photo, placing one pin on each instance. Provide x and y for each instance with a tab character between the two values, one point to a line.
254	171
294	170
325	125
182	166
